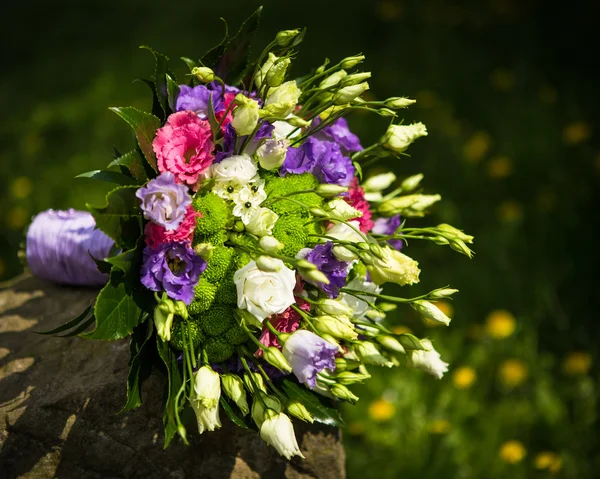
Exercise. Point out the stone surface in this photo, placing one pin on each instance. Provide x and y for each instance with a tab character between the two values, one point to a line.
59	398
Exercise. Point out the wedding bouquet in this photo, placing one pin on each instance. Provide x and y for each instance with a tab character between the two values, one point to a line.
245	250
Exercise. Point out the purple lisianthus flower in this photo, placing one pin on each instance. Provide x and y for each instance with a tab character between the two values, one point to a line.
196	99
164	201
388	226
297	161
336	271
60	246
309	354
331	164
339	132
174	268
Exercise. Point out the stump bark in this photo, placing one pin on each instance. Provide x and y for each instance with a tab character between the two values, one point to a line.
59	400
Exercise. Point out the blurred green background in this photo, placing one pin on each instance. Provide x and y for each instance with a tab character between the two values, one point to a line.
508	90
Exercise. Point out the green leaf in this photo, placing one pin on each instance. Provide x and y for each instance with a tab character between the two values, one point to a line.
71	324
190	63
157	109
109	177
134	164
212	57
160	80
172	92
174	385
235	418
120	218
79	329
140	364
408	341
116	311
144	125
128	260
313	403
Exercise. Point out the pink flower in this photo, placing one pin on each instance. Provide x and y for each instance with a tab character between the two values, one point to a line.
184	147
286	322
356	199
155	235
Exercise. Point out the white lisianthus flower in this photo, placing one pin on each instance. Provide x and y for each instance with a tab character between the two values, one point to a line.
391	266
282	130
278	431
248	201
282	100
207	418
344	232
379	182
340	210
235	170
359	306
430	312
399	137
429	361
245	115
264	293
234	388
262	222
272	153
205	399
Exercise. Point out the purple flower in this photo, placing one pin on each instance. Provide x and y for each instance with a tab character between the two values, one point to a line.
174	268
308	355
297	161
60	246
339	132
336	271
196	99
227	149
388	226
164	202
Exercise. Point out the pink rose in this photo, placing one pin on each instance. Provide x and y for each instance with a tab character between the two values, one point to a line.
155	235
184	147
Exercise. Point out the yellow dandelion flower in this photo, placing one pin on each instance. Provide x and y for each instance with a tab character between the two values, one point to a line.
499	167
21	187
513	372
500	324
381	410
548	461
577	363
464	377
512	452
577	132
509	211
502	79
439	426
477	146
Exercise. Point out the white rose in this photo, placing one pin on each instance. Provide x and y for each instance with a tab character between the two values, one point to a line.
344	232
239	170
264	293
262	222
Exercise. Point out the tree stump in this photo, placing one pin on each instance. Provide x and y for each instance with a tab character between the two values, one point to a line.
59	400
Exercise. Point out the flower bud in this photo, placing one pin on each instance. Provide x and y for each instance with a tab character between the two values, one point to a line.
327	190
245	115
207	387
399	137
341	210
379	182
398	102
282	100
271	153
375	315
263	402
278	431
338	326
270	244
163	319
349	93
204	250
233	387
204	74
451	232
180	309
442	293
297	409
392	266
387	307
428	360
343	393
316	211
345	364
351	62
275	358
391	343
285	37
355	78
261	74
369	354
239	226
314	276
430	312
411	183
305	264
297	121
250	381
410	206
276	73
335	308
333	79
268	264
348	377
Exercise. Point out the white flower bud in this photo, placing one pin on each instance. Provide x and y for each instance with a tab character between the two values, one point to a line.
410	206
442	293
271	153
391	343
204	399
296	121
233	386
261	74
349	93
391	266
282	100
276	73
314	275
333	79
338	326
262	222
204	74
451	232
268	264
276	358
278	431
369	354
429	361
411	183
355	78
351	62
297	409
430	311
343	392
379	182
340	210
399	137
398	102
285	37
245	115
335	308
348	377
204	250
252	379
261	404
327	190
270	244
